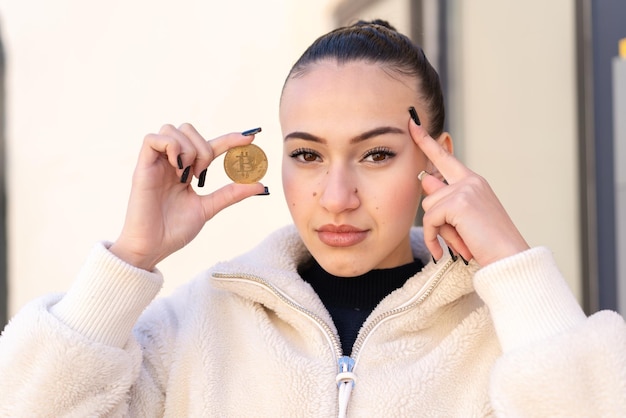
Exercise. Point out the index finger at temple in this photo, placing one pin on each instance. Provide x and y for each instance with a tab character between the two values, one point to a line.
451	168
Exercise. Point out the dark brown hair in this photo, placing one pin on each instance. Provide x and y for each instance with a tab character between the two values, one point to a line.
378	42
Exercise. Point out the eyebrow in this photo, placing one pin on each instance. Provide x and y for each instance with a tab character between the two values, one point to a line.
361	137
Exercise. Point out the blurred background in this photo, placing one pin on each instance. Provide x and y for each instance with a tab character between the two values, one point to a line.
532	98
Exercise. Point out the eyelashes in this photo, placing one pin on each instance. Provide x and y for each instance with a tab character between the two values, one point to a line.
376	155
379	154
305	155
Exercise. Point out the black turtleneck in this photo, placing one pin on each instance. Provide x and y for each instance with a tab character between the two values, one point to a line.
350	300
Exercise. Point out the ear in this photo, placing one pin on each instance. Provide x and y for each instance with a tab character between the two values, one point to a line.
445	140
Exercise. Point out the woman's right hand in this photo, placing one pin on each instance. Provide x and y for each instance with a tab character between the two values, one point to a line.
164	211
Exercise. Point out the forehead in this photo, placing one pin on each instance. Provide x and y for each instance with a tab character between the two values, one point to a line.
330	75
329	90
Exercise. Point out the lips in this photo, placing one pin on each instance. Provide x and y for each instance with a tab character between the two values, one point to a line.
341	235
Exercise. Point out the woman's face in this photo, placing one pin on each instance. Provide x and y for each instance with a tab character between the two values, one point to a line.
350	166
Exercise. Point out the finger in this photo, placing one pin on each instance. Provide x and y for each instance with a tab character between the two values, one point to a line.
436	221
431	240
451	168
431	229
188	148
455	242
223	143
156	145
227	196
204	152
441	194
434	229
435	190
430	183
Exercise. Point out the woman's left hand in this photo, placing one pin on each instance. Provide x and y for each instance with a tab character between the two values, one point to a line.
465	212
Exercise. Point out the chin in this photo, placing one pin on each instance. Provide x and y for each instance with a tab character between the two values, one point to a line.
344	268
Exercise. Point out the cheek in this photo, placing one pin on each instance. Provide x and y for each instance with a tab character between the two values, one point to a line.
399	202
289	186
297	188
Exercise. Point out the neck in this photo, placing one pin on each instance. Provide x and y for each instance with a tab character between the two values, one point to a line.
350	300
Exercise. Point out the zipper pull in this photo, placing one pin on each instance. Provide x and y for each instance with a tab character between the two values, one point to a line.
345	382
345	375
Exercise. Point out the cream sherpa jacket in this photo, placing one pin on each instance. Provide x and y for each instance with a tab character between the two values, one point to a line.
250	338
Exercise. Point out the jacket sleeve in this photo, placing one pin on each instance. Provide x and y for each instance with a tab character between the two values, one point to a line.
556	361
75	355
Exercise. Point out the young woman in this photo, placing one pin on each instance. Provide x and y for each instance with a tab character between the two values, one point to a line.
352	311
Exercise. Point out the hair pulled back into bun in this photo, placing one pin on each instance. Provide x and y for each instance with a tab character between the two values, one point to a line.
378	42
379	22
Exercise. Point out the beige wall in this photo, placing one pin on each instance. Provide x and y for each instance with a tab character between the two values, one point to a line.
396	12
87	80
514	114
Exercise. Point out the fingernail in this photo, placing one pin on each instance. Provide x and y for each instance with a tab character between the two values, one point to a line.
251	132
185	176
202	178
433	257
421	175
464	260
414	116
265	193
454	257
179	160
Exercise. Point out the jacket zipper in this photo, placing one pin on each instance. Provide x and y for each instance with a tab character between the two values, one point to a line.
346	378
414	302
321	324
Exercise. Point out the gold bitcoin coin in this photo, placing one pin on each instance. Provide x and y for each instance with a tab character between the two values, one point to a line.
245	164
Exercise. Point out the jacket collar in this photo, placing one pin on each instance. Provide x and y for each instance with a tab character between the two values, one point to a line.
276	260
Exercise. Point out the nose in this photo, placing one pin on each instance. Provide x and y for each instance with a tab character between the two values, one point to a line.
340	191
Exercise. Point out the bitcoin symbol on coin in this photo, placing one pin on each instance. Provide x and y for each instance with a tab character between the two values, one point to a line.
245	164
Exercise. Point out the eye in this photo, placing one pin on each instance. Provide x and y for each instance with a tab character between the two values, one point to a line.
378	155
305	155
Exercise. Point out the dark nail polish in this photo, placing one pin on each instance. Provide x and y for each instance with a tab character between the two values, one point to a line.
185	176
464	260
265	193
251	132
454	257
179	160
202	178
414	116
434	261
